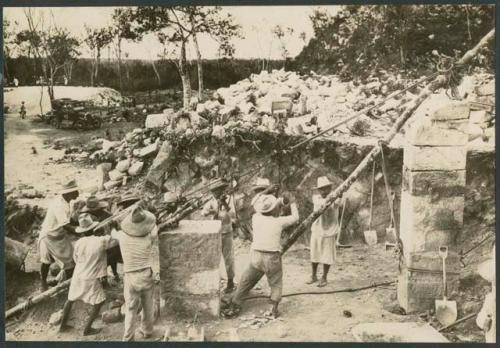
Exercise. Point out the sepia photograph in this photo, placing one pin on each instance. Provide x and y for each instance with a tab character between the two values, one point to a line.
320	173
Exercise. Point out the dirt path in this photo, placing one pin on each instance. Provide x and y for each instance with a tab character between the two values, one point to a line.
303	318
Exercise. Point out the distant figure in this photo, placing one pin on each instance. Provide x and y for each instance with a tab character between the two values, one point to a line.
33	149
16	82
22	112
65	81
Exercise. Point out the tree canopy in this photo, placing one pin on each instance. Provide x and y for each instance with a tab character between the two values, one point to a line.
360	39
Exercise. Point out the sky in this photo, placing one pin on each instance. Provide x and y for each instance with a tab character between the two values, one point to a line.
256	22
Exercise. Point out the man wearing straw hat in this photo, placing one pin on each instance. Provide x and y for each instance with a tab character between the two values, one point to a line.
323	232
90	258
219	209
141	269
54	244
265	257
97	209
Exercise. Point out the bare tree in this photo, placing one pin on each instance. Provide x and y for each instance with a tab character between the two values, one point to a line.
52	47
283	35
97	39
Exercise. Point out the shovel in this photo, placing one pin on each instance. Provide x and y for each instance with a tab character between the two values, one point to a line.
337	240
446	311
371	235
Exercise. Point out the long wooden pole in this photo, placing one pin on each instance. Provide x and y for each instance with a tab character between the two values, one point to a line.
439	82
36	299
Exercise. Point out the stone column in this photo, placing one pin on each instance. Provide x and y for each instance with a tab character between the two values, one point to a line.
189	261
432	204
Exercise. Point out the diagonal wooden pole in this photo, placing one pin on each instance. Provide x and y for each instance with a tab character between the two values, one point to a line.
439	82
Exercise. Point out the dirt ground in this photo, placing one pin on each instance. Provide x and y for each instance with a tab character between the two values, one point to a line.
303	318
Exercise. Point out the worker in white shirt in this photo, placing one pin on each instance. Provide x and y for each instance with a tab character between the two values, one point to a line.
219	209
138	240
323	232
265	257
90	258
54	244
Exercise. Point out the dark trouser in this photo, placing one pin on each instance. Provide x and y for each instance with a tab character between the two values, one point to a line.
268	263
114	256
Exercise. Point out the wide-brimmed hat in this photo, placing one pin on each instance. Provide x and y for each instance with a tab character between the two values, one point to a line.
85	223
265	203
138	223
217	184
93	204
261	183
323	182
128	198
68	187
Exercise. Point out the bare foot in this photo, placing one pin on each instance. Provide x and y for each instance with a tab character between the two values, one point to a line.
65	327
322	283
312	280
91	331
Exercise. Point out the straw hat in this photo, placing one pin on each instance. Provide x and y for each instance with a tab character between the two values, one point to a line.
261	183
70	186
85	223
93	204
265	203
138	223
323	182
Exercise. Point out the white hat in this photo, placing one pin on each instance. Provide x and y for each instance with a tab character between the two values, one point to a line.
323	182
85	223
68	187
265	203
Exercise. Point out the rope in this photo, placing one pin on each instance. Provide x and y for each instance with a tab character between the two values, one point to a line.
325	292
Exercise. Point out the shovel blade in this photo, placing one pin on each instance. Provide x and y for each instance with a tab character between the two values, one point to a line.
371	237
446	312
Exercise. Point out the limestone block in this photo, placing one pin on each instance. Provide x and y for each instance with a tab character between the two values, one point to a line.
418	291
102	171
123	165
161	163
148	150
429	133
397	332
441	183
157	120
435	157
426	222
431	261
189	261
116	175
481	116
486	89
135	168
452	111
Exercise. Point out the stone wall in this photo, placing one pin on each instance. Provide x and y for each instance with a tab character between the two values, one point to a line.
189	261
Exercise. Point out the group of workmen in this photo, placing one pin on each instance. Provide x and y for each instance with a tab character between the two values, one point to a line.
132	239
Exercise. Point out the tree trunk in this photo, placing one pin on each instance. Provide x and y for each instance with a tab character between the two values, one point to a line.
158	77
186	81
15	253
96	71
119	49
200	68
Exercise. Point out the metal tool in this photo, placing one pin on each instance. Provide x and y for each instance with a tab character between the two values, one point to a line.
446	311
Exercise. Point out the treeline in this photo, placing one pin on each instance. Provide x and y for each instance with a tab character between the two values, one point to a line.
359	41
140	75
